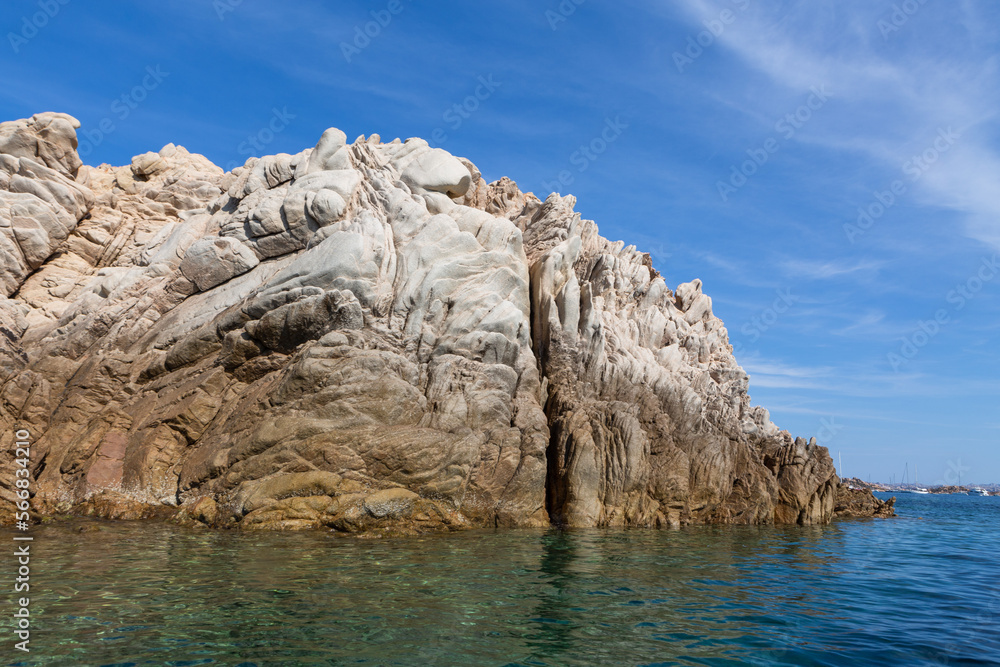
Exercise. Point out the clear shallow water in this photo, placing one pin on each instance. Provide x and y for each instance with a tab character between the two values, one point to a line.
909	591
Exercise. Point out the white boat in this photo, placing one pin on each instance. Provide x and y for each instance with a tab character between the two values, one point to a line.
916	486
978	491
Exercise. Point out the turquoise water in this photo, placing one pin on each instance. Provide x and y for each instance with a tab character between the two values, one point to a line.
909	591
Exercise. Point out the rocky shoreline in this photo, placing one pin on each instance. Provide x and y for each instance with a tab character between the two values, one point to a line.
853	503
388	513
947	489
366	337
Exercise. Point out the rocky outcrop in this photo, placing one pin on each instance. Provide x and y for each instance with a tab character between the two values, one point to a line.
41	200
365	336
855	502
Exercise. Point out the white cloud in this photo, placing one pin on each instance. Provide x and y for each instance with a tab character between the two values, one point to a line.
812	270
865	323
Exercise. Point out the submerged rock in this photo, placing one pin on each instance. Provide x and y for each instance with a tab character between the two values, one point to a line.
367	337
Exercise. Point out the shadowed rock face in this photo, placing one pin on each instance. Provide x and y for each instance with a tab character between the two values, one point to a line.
364	336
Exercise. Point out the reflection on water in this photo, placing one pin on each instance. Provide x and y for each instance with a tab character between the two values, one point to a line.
904	592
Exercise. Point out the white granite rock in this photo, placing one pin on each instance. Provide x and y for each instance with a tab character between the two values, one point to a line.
209	262
311	339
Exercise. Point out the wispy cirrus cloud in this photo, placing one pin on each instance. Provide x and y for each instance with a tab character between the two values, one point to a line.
820	270
894	92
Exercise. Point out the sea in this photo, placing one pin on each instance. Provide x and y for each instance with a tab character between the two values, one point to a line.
920	589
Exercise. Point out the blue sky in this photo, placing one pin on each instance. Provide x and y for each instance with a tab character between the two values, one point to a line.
879	334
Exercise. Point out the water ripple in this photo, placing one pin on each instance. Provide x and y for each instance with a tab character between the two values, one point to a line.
903	592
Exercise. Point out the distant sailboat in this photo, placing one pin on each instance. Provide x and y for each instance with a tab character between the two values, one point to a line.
902	483
917	488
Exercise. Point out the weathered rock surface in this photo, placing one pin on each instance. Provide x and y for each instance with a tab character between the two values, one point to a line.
857	502
362	336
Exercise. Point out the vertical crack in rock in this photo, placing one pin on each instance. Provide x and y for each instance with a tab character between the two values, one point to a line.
649	418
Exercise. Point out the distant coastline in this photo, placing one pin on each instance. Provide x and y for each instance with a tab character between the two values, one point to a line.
965	489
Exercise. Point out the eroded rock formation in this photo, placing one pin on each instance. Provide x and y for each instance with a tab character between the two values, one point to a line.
366	336
855	502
